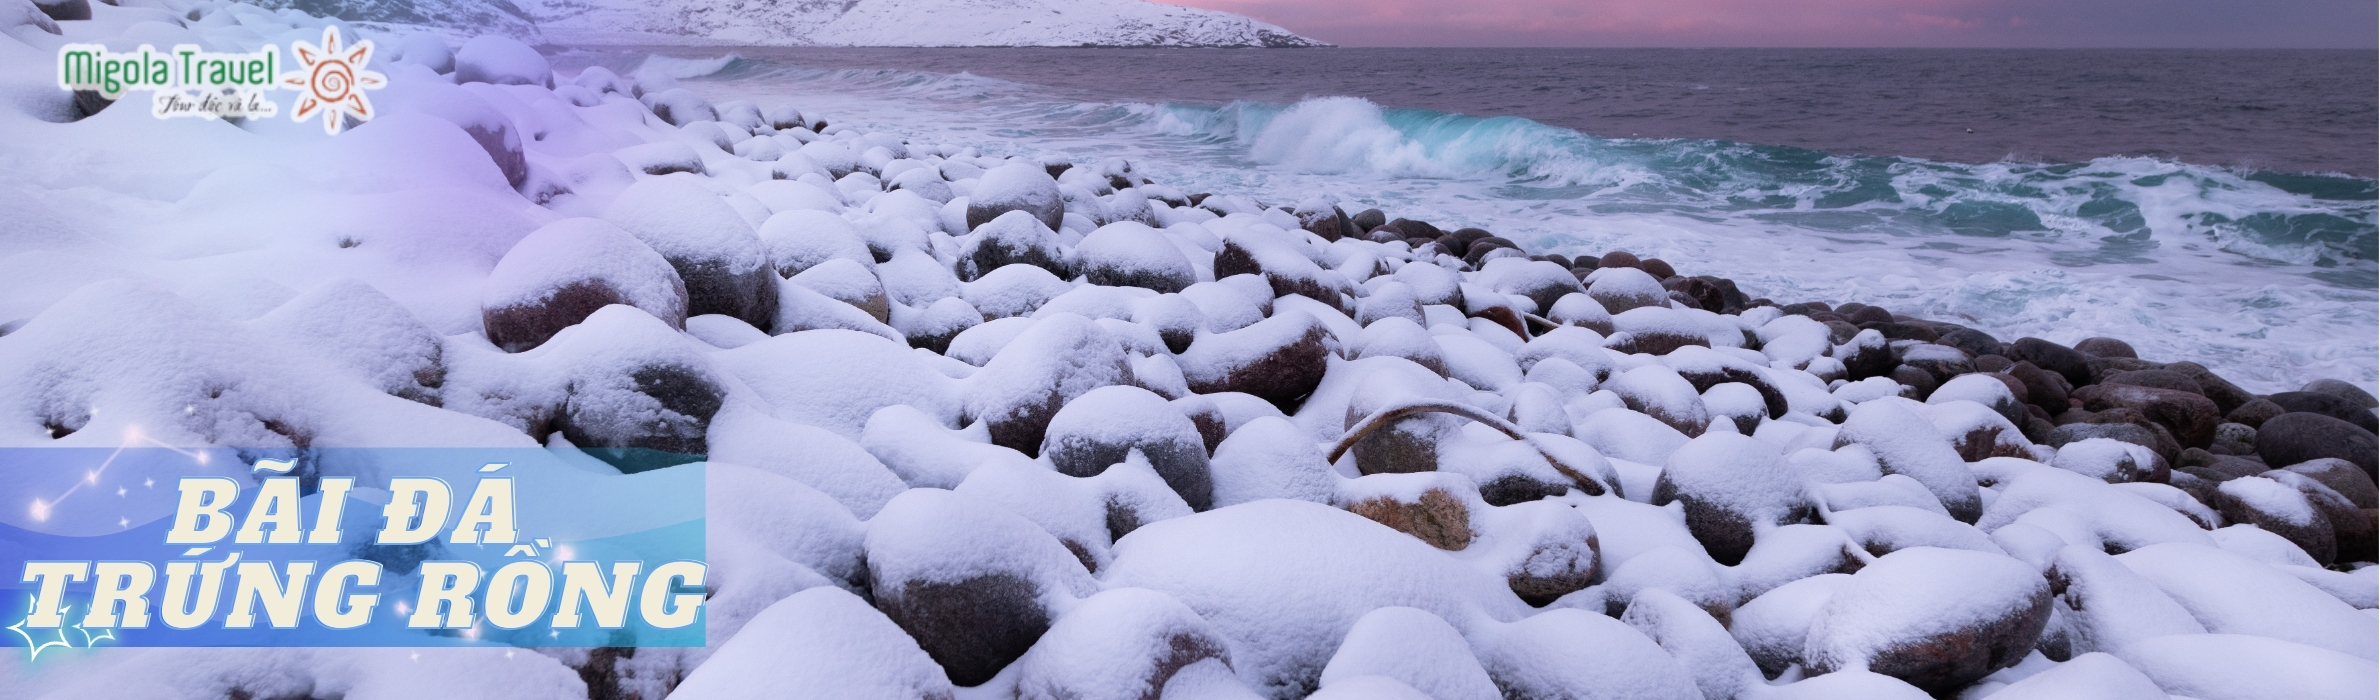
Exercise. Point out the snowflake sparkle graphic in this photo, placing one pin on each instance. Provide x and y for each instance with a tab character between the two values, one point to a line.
333	82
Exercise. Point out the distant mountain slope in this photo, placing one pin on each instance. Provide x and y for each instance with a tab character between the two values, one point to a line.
826	22
468	16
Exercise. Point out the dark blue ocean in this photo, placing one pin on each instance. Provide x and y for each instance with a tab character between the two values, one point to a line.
2210	205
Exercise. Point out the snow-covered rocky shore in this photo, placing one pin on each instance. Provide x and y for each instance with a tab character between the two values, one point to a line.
986	428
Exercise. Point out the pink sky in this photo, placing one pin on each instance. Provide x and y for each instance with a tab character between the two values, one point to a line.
1977	23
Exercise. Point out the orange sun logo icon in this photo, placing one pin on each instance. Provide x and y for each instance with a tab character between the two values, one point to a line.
333	82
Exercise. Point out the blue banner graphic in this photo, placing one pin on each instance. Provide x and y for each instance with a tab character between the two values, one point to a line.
165	547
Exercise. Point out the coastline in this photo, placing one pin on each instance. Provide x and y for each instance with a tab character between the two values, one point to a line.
991	425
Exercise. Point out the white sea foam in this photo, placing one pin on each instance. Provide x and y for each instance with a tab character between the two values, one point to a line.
2267	279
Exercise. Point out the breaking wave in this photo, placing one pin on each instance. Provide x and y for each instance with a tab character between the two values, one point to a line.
2124	205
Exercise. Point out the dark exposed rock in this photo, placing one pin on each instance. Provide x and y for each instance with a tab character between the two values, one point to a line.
2233	439
2154	379
2291	438
1518	488
1479	249
1418	227
1657	268
2101	367
2065	361
2036	428
2343	477
1369	219
973	619
2326	404
2219	468
88	103
2254	413
1618	258
1975	342
973	627
1863	313
2352	393
518	327
2106	347
1988	362
2042	387
2227	396
1700	292
1916	379
65	10
1405	444
1703	378
1437	517
1208	417
1866	355
2160	439
1893	330
2191	418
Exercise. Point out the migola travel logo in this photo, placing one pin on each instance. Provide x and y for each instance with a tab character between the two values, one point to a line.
189	82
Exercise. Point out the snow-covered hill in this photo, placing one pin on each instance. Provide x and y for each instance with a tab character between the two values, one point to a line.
826	22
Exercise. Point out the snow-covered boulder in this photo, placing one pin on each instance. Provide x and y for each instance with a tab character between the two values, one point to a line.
1937	618
1036	374
799	239
1734	488
1270	458
564	271
1016	187
1100	427
1569	653
1720	667
2245	667
2106	606
819	642
1279	359
1130	254
723	264
501	60
365	332
1013	238
1415	648
1906	443
1773	626
1285	580
975	585
1622	289
1122	643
